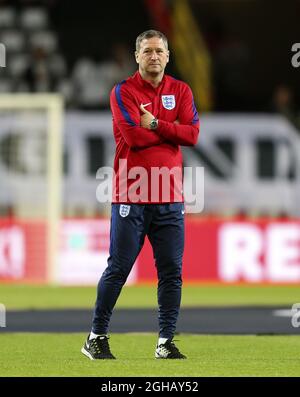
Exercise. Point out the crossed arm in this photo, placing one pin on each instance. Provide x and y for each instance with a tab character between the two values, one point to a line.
136	129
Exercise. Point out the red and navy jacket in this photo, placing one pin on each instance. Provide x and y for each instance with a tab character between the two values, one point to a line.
178	124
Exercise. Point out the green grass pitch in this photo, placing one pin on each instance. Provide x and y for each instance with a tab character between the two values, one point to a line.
144	296
38	354
59	355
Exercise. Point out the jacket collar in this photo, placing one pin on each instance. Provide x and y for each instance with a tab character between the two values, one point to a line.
137	76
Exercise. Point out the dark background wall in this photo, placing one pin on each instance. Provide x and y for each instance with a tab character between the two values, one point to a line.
266	28
90	28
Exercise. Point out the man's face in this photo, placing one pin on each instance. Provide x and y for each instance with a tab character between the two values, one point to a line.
152	56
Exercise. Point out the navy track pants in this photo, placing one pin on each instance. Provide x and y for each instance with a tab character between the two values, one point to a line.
164	226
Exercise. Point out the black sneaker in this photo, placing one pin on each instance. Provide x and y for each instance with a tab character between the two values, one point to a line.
168	350
97	348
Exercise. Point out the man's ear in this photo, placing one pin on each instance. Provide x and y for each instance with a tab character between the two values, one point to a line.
168	56
136	56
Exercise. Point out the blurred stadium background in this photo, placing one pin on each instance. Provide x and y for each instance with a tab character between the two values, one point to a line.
62	60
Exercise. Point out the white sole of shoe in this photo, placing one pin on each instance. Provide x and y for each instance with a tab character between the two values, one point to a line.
86	353
158	356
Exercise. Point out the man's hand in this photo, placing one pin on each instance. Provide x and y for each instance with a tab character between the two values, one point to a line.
147	117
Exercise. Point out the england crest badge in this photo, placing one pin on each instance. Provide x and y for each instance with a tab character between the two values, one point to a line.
168	101
124	210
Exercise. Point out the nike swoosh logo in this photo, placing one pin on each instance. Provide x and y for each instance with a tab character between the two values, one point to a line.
146	104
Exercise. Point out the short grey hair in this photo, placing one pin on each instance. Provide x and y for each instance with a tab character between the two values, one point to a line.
148	34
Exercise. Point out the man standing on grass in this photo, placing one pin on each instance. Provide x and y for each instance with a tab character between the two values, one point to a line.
153	114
